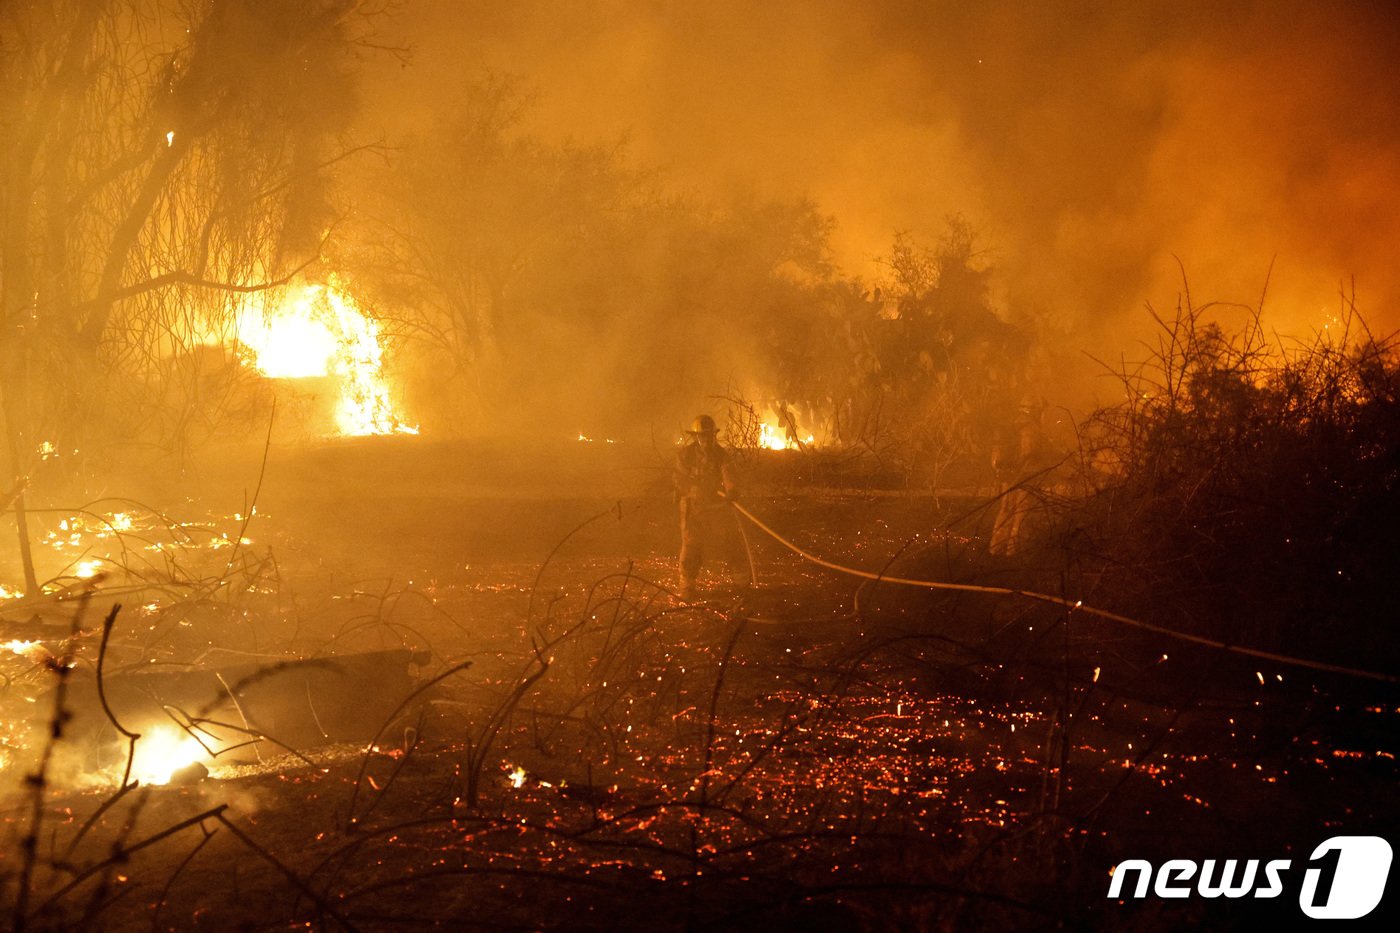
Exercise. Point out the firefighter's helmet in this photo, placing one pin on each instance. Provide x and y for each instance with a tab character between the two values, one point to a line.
704	424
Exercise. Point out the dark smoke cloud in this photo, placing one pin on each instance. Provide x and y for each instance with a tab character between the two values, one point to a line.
1089	142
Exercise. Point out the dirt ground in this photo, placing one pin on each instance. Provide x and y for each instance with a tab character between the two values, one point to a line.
562	743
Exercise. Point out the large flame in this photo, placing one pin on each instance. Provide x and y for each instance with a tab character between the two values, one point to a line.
318	330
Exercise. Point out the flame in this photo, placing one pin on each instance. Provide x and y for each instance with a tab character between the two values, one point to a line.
33	650
775	438
7	593
771	438
87	569
161	752
318	330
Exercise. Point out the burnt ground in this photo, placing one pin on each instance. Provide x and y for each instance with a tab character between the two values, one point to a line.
809	753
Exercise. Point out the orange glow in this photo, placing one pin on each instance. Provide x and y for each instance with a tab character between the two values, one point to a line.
33	650
773	437
163	751
319	330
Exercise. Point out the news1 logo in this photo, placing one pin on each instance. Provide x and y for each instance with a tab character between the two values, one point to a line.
1344	879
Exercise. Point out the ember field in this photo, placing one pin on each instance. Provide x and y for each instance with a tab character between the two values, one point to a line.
568	745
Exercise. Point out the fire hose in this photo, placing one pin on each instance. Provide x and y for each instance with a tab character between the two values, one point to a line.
1073	605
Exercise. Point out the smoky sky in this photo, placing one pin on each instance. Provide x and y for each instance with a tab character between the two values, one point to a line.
1093	145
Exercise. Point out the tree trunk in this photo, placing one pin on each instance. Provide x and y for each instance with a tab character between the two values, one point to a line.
31	580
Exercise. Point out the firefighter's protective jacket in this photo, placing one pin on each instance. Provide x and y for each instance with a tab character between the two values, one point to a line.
703	473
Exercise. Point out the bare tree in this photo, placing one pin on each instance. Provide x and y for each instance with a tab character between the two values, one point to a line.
158	159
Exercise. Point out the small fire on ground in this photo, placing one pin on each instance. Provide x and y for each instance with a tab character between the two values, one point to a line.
317	331
771	437
161	752
778	430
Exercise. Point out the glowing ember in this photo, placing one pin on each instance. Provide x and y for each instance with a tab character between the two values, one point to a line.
320	331
7	593
33	650
163	751
87	569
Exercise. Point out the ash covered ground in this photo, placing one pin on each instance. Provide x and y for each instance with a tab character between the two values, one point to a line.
545	736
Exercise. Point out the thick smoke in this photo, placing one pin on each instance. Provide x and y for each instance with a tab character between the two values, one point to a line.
1090	143
1107	155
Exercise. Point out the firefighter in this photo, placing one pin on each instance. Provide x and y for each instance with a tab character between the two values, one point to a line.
704	487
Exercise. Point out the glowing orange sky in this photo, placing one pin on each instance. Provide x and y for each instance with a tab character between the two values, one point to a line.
1090	143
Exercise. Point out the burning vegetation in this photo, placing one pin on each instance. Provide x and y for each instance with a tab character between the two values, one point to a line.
345	394
316	331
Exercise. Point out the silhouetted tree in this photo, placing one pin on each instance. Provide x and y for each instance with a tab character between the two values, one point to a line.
156	158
